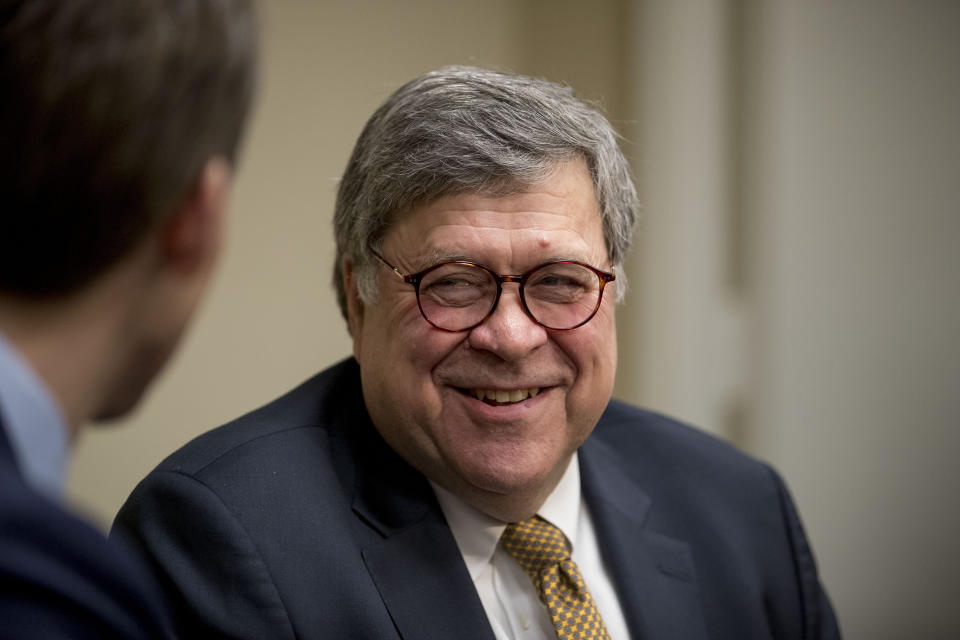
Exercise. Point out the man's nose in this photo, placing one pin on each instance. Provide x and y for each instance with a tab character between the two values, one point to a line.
509	332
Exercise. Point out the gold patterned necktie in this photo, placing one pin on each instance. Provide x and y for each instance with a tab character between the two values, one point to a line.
541	550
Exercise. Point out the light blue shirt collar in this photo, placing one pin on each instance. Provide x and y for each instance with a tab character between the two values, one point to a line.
33	423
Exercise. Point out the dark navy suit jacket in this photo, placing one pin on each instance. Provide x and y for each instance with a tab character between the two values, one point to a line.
298	521
60	578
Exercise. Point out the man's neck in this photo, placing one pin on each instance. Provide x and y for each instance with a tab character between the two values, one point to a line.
71	343
516	506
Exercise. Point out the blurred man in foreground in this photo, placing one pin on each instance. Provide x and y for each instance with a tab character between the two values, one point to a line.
466	474
119	127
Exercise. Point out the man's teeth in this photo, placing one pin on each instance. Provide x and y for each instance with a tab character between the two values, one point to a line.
502	396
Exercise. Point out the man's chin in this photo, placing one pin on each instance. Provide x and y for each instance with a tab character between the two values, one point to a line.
136	380
111	417
507	488
118	408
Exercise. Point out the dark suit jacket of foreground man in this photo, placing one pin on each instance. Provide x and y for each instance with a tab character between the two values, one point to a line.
298	521
60	578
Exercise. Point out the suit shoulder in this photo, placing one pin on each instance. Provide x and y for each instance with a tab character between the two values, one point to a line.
693	478
660	440
58	572
317	403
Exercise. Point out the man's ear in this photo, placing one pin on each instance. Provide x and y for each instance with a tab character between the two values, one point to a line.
354	304
192	236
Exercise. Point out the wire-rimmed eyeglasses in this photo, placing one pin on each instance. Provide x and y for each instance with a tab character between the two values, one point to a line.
460	295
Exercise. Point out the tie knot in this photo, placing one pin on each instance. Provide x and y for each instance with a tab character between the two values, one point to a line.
535	544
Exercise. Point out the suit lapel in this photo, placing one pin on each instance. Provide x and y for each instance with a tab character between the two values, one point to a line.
653	574
420	576
415	562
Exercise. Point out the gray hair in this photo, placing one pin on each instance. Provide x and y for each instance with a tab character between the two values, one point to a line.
464	129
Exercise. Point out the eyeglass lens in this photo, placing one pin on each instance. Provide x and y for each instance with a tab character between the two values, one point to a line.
558	296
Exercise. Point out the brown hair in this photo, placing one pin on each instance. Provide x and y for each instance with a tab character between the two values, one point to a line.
110	110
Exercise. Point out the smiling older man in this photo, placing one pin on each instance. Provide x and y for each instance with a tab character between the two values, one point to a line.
466	474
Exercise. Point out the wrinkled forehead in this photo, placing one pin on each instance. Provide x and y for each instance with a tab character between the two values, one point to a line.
495	189
557	218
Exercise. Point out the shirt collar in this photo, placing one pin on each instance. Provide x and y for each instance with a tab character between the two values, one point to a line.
33	423
478	534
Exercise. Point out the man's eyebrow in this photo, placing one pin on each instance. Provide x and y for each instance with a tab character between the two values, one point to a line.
436	256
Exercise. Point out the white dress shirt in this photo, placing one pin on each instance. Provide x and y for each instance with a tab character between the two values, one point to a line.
509	598
33	423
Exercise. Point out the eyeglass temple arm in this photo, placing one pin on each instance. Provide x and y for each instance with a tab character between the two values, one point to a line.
389	266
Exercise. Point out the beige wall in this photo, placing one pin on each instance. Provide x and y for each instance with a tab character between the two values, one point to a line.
794	282
798	269
855	207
